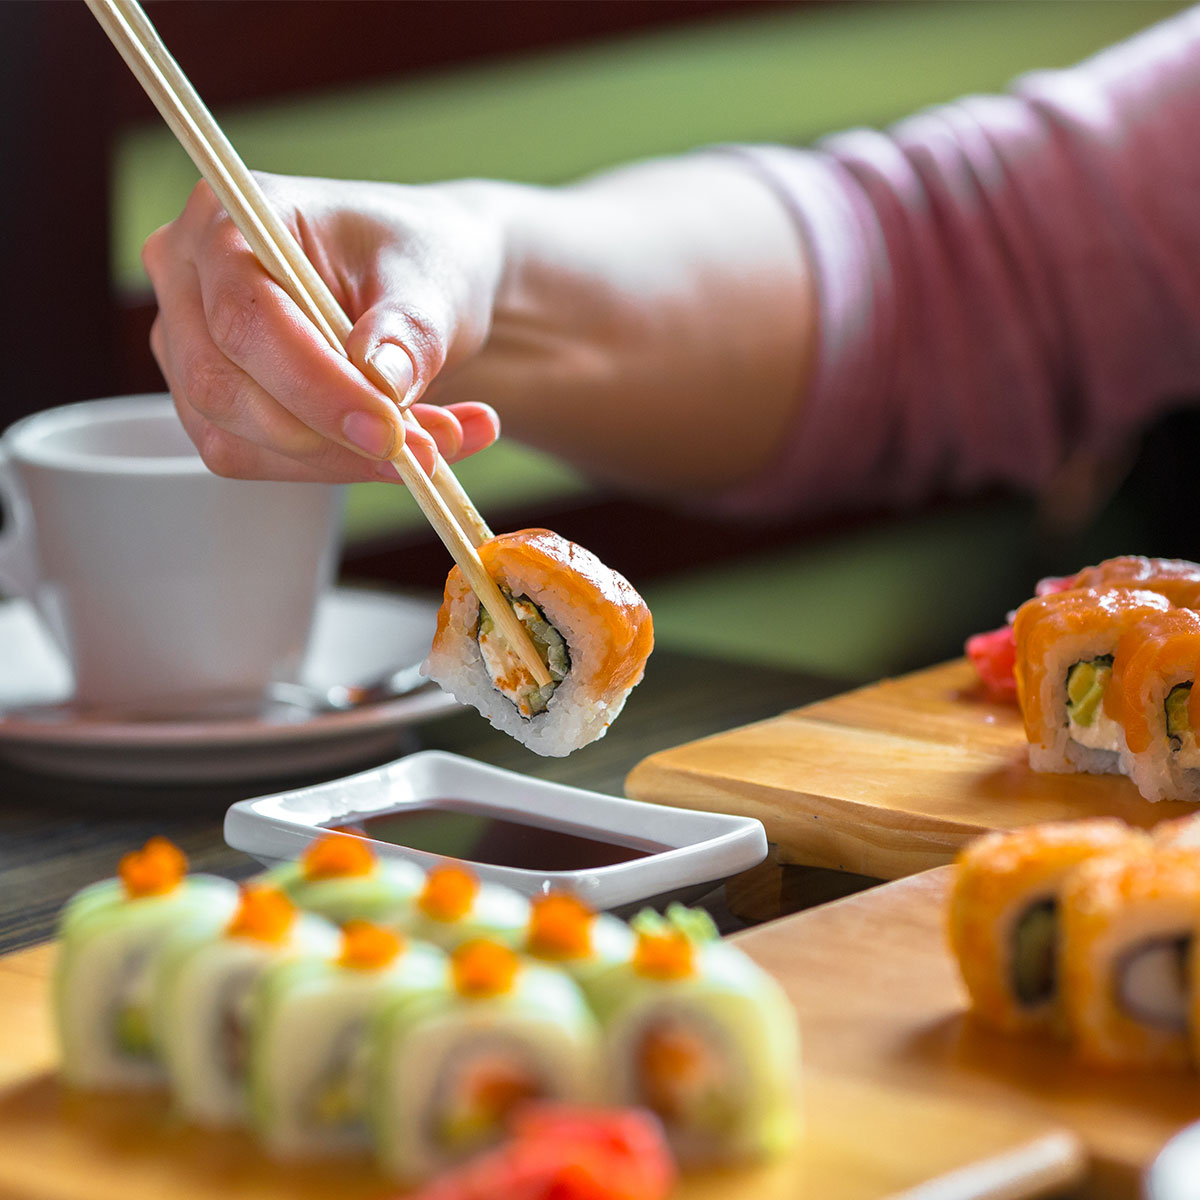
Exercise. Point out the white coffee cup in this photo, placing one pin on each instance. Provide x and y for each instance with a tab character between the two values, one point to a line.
168	589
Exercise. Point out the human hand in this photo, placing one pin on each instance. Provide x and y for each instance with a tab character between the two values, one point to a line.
259	390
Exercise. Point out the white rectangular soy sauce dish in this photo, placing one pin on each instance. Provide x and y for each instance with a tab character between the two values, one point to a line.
674	850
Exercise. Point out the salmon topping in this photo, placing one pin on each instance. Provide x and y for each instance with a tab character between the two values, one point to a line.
669	955
448	893
368	947
560	926
157	868
263	914
334	856
481	968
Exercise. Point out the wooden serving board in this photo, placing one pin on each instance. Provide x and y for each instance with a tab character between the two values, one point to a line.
880	1002
887	780
863	1139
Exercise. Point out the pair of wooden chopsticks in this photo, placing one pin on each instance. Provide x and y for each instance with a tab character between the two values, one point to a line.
443	501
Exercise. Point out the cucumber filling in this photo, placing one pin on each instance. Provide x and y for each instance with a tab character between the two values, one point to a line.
133	1031
1179	727
339	1098
508	674
1035	953
1153	982
131	1016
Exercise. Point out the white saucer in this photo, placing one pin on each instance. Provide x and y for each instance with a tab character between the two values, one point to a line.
358	633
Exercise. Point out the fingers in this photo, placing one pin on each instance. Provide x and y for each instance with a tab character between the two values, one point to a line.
258	388
248	369
239	429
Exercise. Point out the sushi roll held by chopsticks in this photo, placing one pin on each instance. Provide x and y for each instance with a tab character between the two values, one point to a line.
591	629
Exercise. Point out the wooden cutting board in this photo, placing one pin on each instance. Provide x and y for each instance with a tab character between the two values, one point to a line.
863	1139
880	1002
887	780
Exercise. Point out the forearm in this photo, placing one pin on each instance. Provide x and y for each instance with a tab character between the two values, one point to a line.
654	325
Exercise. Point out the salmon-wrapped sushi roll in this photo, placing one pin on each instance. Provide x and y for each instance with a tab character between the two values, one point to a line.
1005	915
1175	578
110	937
202	999
1065	647
1151	697
591	629
339	877
1128	923
453	1066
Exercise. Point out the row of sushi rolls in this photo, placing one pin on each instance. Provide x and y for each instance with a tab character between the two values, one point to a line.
345	1003
1087	929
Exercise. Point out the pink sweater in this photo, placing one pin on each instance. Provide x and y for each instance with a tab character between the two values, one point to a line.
1002	281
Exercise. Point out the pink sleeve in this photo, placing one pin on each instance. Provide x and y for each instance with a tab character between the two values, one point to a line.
1001	281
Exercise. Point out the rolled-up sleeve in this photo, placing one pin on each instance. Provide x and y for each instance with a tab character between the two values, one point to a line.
1001	282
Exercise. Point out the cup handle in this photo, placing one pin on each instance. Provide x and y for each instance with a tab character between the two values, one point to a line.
18	573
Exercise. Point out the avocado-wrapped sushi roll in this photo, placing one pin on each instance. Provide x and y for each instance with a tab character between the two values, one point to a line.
1005	915
591	629
452	1069
110	935
455	906
699	1034
566	933
1152	698
1065	646
1128	926
202	998
339	877
311	1049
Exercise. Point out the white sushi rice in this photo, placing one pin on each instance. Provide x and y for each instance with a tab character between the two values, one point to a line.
1068	747
577	713
1162	771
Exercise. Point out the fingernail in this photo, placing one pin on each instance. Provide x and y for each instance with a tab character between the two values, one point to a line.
396	368
372	435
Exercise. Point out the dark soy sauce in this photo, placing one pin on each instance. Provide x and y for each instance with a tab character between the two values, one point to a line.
455	829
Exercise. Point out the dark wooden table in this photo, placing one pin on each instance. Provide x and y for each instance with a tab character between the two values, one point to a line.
58	835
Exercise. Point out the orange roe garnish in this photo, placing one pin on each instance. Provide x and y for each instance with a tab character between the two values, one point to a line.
560	926
264	914
335	856
482	968
368	947
448	893
157	868
664	955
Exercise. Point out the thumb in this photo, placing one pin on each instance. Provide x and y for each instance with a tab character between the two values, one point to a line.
398	350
